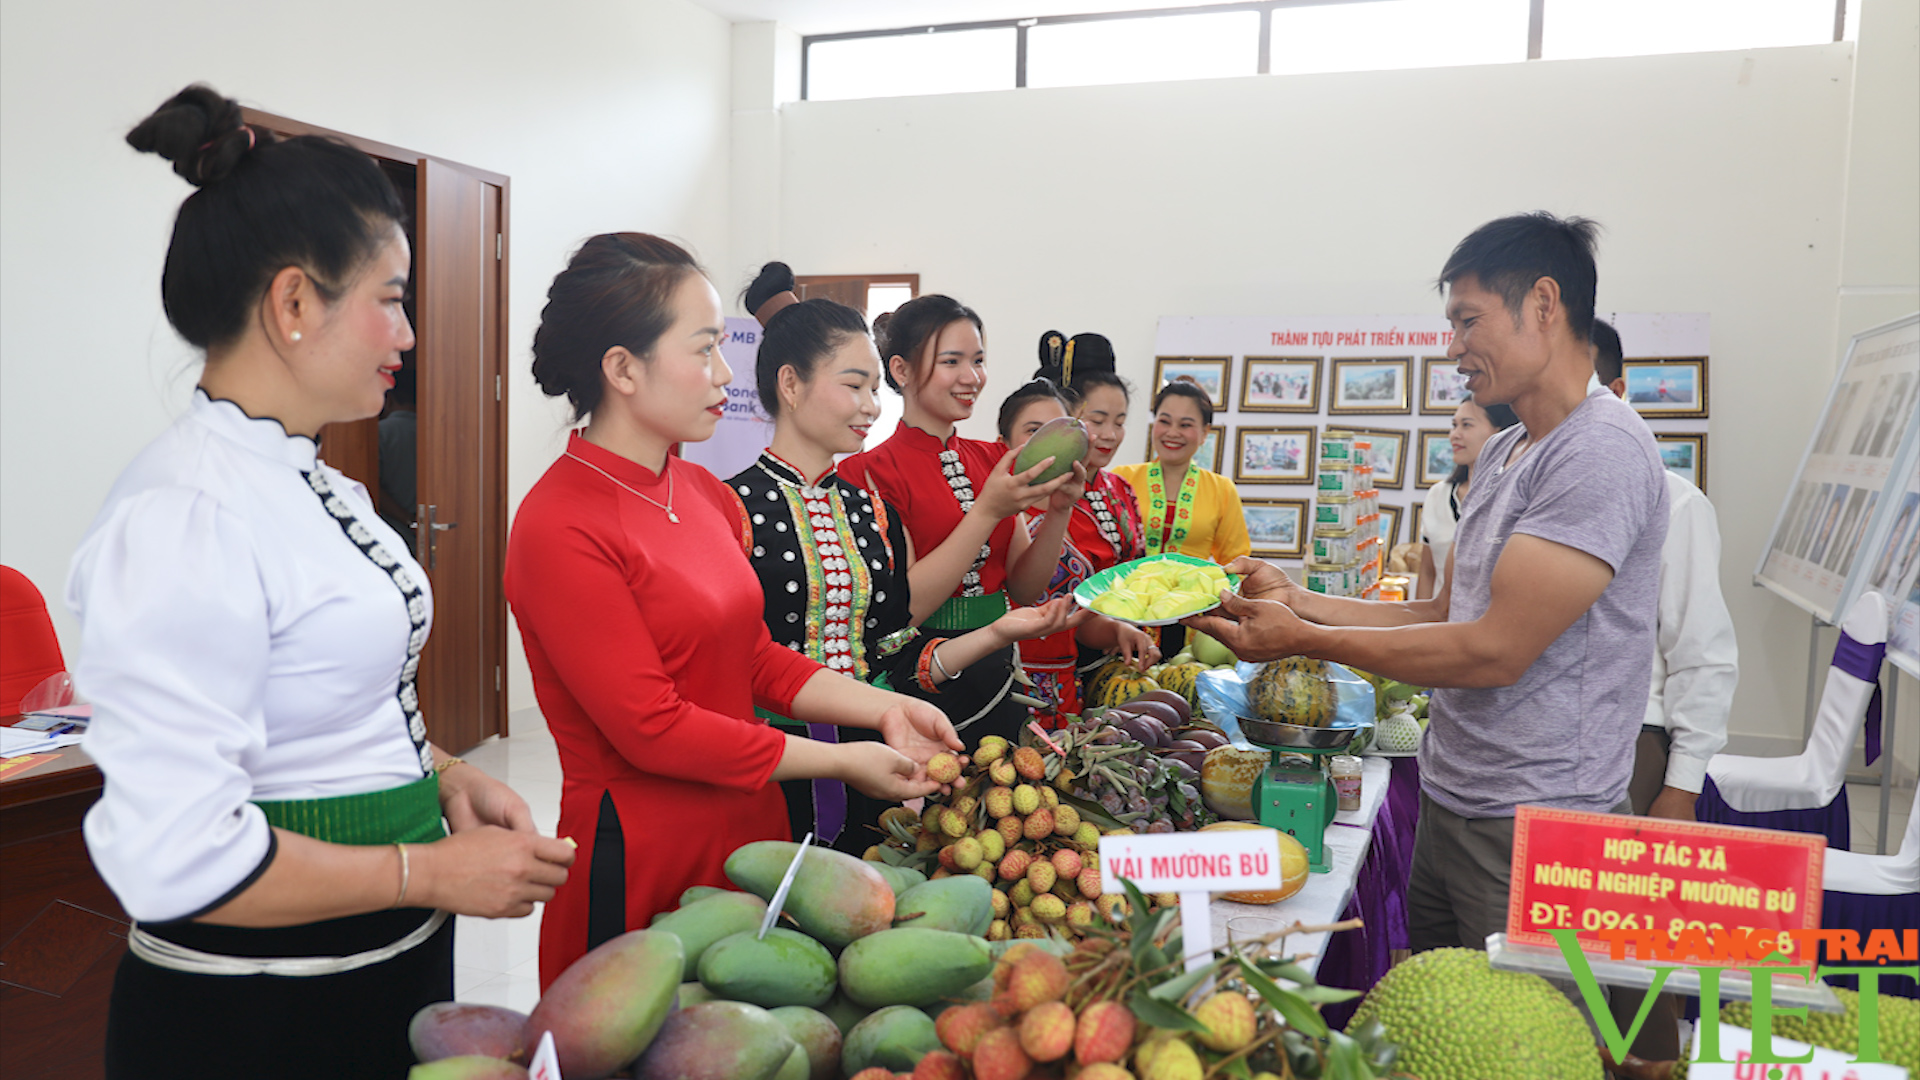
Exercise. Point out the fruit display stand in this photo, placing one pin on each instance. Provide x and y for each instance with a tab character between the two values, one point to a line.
1326	897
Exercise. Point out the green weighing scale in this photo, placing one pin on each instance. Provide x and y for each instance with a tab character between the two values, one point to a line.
1293	794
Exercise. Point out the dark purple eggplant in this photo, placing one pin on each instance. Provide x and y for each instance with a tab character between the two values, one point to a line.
1159	710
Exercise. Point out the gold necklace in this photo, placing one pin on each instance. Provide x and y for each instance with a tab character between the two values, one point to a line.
666	468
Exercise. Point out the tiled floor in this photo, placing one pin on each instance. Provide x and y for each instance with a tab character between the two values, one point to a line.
1863	800
496	961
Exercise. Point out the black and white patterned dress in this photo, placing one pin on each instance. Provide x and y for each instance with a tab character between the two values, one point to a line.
832	561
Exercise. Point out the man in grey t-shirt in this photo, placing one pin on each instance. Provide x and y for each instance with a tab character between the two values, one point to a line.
1541	639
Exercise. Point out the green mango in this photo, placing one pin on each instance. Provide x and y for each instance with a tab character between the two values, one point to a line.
817	1034
843	1012
835	899
1064	439
962	903
699	924
693	993
910	966
784	968
697	893
1209	651
901	878
896	1037
607	1006
718	1040
467	1067
796	1067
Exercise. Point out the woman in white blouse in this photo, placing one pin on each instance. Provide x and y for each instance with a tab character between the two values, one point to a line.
1472	427
272	813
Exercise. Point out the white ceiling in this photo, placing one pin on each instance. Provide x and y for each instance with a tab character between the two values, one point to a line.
836	16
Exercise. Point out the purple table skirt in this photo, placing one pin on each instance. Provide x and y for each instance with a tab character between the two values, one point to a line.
1864	912
1833	821
1356	959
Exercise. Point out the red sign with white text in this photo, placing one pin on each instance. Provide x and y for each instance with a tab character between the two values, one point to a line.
1703	893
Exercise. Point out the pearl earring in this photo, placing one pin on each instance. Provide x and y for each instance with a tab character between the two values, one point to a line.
295	336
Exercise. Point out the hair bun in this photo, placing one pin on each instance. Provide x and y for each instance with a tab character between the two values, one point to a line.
774	279
1092	352
1053	356
199	131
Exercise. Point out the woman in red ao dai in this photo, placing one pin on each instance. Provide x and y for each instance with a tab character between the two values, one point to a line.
960	499
642	617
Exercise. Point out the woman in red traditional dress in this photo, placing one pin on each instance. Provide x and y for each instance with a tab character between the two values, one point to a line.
642	617
960	499
1077	378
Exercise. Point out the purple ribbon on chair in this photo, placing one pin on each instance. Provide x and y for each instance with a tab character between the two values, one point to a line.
1863	663
830	796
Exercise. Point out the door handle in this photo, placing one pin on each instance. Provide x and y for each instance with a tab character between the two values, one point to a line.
426	544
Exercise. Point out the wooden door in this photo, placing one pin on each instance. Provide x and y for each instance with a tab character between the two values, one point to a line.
461	517
850	291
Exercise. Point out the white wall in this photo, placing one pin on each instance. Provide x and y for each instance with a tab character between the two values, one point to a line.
1880	255
606	114
1720	178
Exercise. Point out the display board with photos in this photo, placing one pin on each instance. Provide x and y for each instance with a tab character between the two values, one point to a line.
1848	492
1278	383
1896	575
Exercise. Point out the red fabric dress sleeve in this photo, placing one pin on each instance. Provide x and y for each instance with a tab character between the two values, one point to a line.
778	675
570	593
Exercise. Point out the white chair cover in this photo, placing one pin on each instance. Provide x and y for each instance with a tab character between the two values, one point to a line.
1810	780
1879	875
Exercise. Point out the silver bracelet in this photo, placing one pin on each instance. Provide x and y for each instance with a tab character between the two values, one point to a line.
944	673
406	876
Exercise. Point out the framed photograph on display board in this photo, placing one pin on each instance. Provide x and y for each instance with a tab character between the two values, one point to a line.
1413	522
1280	384
1684	456
1846	495
1441	386
1436	457
1274	455
1371	387
1209	372
1388	456
1208	456
1667	389
1277	528
1389	527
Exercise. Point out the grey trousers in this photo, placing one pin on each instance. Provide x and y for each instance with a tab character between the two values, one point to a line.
1457	890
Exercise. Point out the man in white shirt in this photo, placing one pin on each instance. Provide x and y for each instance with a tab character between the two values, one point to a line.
1697	664
1695	669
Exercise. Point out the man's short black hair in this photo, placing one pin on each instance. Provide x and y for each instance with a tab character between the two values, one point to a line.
1510	254
1606	351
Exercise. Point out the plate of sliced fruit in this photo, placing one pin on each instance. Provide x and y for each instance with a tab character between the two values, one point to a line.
1158	590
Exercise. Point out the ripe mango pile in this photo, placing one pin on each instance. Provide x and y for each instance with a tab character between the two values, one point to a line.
841	986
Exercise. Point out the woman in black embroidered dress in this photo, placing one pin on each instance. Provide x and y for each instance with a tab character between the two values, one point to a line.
845	606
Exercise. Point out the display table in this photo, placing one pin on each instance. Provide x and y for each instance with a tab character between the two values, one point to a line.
61	930
1326	896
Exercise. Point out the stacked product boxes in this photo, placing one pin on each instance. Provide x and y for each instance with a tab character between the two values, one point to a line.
1345	557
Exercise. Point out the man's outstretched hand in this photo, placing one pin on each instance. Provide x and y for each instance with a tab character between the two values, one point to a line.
1255	630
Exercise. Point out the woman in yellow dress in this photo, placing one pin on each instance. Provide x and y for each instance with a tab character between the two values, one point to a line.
1187	509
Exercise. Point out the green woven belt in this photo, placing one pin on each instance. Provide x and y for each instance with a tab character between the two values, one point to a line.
967	612
408	814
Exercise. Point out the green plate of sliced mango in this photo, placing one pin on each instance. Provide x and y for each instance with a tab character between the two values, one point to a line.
1158	590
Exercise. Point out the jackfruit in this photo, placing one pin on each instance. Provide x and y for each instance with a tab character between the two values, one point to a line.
1455	1018
1899	1029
